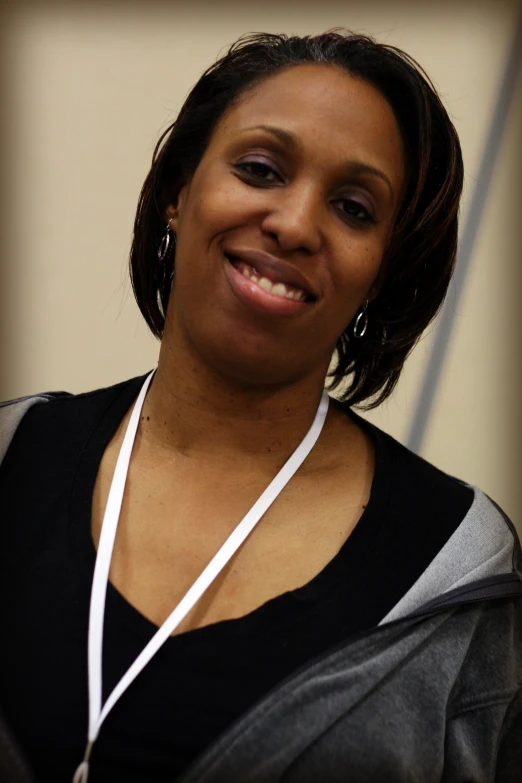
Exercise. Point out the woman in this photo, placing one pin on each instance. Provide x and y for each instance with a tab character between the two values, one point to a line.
363	622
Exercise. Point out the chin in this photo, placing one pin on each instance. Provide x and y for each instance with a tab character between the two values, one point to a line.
252	353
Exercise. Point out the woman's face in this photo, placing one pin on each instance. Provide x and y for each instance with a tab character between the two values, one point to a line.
282	229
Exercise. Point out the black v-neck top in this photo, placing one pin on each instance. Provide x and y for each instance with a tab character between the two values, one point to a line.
200	681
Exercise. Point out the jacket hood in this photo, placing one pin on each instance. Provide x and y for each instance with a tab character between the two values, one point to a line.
482	555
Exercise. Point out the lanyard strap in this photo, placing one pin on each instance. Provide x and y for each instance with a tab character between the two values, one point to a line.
97	714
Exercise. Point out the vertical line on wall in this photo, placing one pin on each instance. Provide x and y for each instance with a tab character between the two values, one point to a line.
437	355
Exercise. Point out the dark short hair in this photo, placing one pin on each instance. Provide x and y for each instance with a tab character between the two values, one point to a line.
421	256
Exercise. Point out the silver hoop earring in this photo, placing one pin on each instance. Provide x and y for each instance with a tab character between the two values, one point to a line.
168	239
358	330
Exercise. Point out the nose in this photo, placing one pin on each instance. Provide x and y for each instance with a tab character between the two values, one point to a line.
295	218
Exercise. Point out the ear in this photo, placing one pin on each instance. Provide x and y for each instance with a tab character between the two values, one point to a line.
174	211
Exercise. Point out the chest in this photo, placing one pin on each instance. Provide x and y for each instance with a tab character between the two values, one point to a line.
176	515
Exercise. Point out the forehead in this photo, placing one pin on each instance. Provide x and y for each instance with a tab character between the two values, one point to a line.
325	105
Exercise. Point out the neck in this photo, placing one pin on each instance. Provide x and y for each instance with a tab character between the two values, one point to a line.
191	409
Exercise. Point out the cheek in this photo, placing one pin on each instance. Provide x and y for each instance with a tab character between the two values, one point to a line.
217	205
358	267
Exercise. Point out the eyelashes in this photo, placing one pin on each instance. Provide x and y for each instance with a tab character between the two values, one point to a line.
256	169
261	173
356	210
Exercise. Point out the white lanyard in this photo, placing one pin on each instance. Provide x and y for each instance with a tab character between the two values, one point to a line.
97	714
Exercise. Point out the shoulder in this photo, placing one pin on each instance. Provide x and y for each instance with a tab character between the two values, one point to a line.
408	463
416	488
476	527
54	414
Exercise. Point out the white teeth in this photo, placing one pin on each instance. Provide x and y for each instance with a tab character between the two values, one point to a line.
277	289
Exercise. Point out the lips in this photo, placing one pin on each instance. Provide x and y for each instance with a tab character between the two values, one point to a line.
275	269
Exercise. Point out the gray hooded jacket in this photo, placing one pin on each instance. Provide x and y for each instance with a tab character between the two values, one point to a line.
432	694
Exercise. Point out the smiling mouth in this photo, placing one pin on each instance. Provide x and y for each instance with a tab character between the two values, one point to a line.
276	288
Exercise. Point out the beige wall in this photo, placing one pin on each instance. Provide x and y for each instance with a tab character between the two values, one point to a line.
86	91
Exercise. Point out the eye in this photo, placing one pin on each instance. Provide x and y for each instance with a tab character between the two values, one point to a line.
354	210
259	170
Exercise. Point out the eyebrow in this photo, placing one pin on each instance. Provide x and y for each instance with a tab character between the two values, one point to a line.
354	166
